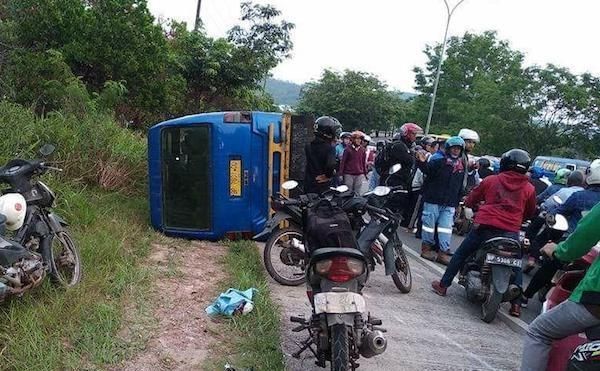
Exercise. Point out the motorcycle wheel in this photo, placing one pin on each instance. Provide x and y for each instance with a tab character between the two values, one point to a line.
340	347
65	263
283	272
402	278
490	307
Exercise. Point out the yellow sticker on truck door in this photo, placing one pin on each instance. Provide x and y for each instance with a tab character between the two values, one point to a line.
235	178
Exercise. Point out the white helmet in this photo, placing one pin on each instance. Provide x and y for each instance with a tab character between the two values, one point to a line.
468	134
593	172
13	207
367	139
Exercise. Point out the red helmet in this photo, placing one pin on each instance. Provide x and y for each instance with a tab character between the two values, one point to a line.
409	128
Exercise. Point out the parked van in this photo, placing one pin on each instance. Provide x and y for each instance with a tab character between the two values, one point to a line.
552	164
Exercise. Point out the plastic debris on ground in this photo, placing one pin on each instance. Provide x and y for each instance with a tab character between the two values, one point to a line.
232	302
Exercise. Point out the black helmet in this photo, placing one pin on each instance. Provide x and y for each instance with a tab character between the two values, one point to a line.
484	162
576	178
427	141
328	127
516	160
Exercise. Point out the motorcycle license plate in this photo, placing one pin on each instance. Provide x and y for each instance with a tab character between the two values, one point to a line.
339	302
503	260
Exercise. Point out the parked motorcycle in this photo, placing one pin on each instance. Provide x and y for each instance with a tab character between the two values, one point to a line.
284	254
41	232
338	330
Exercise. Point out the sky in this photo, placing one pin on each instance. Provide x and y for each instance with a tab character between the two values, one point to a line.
387	37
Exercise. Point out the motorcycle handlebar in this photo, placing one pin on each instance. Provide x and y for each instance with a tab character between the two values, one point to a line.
377	210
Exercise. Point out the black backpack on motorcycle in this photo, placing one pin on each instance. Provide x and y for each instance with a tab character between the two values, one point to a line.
328	225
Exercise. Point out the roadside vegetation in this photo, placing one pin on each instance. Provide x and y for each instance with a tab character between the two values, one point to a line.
253	339
102	194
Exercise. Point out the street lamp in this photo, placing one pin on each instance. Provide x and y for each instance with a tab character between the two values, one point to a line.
439	69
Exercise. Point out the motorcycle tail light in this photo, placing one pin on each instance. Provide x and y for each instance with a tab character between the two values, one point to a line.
322	267
343	269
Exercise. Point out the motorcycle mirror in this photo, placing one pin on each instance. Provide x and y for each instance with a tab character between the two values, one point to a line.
342	188
560	223
557	200
289	185
395	168
381	191
47	149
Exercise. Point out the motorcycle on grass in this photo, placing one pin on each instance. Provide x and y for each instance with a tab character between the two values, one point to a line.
41	243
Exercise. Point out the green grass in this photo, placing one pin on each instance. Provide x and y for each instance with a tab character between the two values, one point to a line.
51	328
256	341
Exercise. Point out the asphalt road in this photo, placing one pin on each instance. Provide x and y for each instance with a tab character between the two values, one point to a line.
527	314
425	331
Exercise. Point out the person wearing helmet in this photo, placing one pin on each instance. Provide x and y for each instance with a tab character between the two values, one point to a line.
320	155
470	137
400	151
344	142
535	177
581	202
559	182
575	183
508	198
581	312
572	208
484	168
471	176
354	164
441	194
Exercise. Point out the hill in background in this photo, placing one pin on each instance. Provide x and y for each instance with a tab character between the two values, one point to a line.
288	93
284	92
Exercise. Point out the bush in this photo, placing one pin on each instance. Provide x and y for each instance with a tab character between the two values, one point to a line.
92	148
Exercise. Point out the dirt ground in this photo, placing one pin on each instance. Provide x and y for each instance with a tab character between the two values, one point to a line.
186	281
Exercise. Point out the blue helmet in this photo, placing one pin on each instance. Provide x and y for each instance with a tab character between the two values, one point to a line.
454	142
536	172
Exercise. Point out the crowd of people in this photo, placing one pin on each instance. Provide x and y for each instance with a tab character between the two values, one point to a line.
440	173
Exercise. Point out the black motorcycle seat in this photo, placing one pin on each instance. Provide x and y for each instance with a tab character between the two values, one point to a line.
501	241
327	252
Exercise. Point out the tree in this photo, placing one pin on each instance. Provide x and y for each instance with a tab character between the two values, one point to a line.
263	40
358	99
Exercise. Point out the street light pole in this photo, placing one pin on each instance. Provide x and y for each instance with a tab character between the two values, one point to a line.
197	23
439	68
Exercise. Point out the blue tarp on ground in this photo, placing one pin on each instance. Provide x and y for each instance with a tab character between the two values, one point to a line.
229	301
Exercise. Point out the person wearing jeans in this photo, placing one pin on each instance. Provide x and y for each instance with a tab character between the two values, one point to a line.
442	217
441	194
581	312
354	164
507	198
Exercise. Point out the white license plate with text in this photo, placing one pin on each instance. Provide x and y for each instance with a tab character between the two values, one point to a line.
503	260
339	302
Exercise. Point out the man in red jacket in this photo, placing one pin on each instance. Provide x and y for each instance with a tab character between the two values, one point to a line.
508	199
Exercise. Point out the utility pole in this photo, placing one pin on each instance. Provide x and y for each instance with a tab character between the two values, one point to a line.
439	69
197	23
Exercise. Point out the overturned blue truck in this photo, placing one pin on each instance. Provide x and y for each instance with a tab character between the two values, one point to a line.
211	174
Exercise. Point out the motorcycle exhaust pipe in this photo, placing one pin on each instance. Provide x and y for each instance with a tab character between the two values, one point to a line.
373	343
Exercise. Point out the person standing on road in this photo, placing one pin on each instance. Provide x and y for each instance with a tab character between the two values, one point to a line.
441	194
354	164
581	312
508	199
320	155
